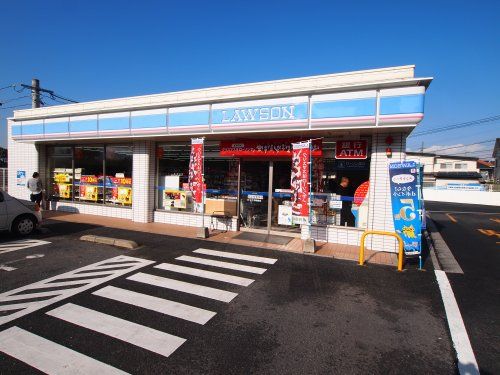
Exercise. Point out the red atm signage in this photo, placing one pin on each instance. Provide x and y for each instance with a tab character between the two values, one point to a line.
265	147
351	149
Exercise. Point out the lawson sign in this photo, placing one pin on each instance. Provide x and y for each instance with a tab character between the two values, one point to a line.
406	204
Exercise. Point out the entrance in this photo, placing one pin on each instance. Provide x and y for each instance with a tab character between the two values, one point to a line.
266	196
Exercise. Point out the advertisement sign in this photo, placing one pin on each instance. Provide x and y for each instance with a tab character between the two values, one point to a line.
64	190
351	149
195	179
265	147
122	195
89	193
406	210
174	199
21	178
300	181
284	215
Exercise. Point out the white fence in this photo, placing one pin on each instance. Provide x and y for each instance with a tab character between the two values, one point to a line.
488	198
3	179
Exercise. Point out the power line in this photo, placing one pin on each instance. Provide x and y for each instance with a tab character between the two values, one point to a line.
14	99
14	106
457	126
6	87
469	144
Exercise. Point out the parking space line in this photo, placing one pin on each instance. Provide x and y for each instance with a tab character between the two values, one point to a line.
224	254
7	247
237	280
147	338
181	286
48	356
217	263
161	305
467	363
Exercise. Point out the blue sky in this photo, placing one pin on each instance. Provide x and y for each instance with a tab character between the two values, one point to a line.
106	49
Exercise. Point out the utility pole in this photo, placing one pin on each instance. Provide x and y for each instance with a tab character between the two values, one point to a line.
422	148
35	93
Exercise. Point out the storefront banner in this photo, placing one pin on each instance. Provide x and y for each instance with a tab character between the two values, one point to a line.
351	149
300	177
265	147
195	179
404	183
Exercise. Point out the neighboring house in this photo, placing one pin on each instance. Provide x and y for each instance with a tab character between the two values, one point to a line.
487	169
448	171
496	155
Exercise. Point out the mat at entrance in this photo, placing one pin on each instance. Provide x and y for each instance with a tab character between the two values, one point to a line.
259	237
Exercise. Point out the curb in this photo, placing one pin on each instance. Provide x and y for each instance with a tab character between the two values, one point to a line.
126	244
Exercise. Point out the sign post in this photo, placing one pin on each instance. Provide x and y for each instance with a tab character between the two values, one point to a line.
406	205
196	181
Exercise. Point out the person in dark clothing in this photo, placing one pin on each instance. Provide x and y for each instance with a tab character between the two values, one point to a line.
346	216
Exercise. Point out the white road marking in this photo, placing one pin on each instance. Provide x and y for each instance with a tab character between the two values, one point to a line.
3	267
161	305
467	363
224	254
237	280
7	247
181	286
133	333
36	289
49	357
217	263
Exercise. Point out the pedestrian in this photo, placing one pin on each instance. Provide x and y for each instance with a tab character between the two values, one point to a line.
346	216
35	186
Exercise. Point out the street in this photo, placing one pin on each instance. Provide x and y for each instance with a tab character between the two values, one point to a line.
473	235
179	305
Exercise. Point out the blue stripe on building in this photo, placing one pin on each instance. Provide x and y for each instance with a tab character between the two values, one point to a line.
395	105
33	129
344	108
56	127
188	118
149	121
114	123
83	126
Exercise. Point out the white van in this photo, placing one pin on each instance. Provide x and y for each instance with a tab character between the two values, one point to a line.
17	216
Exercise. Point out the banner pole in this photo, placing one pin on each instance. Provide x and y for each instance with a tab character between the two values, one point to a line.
310	187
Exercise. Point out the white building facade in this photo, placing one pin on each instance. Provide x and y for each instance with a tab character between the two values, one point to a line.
129	158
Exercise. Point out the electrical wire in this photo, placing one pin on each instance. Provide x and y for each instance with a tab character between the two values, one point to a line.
457	126
6	87
14	99
14	106
469	144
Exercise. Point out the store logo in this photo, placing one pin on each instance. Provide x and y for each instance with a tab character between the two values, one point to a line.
403	178
284	112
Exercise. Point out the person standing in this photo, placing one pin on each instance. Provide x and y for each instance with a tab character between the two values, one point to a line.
35	186
346	215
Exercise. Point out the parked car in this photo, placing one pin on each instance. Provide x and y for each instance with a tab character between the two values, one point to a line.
18	216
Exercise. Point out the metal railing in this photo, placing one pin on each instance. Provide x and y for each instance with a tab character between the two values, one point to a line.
3	179
392	234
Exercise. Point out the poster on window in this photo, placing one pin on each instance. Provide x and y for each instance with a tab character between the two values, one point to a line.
300	181
89	193
406	210
122	195
195	179
64	190
174	199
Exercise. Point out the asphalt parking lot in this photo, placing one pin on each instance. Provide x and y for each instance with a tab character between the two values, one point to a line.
304	314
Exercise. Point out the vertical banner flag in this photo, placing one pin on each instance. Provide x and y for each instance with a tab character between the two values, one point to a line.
301	157
406	210
195	179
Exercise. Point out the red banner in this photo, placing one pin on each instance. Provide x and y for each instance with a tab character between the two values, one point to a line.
195	180
265	147
300	179
351	149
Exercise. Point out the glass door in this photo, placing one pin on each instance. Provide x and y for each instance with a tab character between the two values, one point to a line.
281	213
254	194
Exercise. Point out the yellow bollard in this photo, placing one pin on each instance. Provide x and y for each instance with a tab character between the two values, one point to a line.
362	246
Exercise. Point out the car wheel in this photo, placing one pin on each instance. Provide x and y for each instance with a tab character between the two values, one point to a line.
24	225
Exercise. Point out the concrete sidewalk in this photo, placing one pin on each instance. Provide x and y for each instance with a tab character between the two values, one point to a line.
330	250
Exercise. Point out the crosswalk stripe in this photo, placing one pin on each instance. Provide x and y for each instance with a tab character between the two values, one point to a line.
218	263
48	356
237	280
225	254
164	306
132	333
181	286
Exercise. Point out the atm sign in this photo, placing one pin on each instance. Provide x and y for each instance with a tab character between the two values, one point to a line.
351	149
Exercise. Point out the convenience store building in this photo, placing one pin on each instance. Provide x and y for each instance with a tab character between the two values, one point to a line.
129	158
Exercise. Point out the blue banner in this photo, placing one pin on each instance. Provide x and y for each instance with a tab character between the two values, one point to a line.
406	204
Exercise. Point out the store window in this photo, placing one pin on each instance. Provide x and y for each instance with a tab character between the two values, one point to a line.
461	166
91	174
445	165
221	179
118	181
60	173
